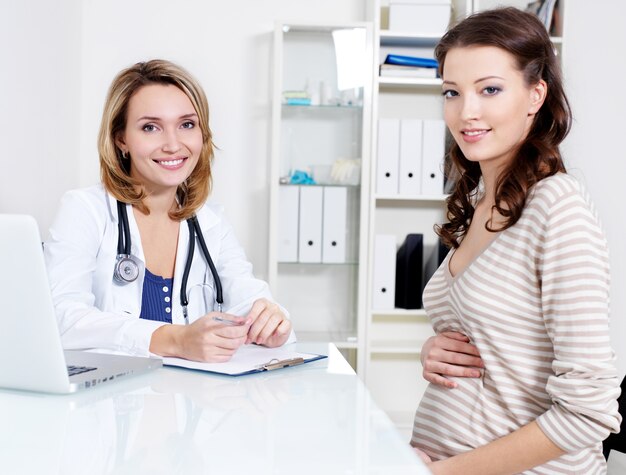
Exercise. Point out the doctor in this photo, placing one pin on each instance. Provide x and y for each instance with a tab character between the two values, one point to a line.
121	252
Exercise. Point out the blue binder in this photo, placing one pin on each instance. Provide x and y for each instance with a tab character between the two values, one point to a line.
411	61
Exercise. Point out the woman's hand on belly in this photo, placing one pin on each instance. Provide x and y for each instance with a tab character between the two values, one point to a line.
450	354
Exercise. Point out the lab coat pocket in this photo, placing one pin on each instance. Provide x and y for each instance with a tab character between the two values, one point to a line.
125	299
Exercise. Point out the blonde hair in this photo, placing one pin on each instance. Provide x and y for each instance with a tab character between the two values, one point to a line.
115	170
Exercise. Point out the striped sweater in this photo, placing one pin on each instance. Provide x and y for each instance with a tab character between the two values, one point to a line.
535	303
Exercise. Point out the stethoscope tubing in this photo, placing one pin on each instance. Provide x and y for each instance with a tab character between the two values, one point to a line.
124	247
123	240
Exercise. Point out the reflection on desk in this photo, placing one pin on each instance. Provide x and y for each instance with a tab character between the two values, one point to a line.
311	419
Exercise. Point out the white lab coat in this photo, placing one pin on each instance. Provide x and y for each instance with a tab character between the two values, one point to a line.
94	311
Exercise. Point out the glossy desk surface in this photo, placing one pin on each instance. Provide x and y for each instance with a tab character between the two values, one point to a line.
316	418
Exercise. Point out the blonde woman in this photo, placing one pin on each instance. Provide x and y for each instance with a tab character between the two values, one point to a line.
142	264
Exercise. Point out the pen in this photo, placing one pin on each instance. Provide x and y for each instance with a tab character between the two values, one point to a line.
229	321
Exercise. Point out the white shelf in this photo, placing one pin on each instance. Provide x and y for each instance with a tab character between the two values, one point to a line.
410	82
405	38
328	107
345	185
400	312
411	198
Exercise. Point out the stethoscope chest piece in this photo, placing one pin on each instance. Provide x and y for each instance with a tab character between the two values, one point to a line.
126	269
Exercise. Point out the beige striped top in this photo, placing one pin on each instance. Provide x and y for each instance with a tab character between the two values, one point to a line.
535	303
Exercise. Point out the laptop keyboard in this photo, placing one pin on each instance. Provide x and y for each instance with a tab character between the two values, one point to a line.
74	370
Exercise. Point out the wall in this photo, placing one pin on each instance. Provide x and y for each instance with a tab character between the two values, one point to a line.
39	105
594	69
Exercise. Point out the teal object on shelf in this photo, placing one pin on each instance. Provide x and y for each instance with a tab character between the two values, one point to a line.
298	101
300	177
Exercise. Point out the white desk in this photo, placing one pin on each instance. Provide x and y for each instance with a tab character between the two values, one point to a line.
317	418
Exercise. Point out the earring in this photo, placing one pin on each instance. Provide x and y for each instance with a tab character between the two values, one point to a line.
125	155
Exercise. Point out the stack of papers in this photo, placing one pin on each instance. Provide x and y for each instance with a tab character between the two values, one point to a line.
396	65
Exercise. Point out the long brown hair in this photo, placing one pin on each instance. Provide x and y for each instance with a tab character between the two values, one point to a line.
115	170
523	36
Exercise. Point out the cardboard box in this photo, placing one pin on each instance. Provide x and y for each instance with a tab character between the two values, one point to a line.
426	17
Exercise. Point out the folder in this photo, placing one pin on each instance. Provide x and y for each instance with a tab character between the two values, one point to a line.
411	61
433	150
409	269
250	359
435	258
387	161
334	224
288	204
310	227
384	278
410	173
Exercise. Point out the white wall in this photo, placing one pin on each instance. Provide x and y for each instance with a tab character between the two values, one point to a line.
39	105
595	67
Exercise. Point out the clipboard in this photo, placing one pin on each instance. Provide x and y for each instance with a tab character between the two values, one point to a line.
250	359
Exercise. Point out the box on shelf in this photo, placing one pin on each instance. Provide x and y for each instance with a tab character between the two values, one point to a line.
427	17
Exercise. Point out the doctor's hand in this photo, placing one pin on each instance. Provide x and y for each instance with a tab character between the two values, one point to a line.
450	354
270	326
205	339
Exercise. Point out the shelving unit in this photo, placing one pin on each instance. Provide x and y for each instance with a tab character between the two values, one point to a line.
326	298
395	336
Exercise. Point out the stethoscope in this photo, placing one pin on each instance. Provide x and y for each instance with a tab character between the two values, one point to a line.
127	266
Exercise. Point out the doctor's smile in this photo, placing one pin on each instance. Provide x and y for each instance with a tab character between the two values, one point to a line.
169	163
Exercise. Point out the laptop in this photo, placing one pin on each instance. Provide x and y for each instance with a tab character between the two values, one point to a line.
31	354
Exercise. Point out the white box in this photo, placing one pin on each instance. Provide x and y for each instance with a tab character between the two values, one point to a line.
433	151
426	17
410	157
310	236
384	272
334	229
388	156
288	204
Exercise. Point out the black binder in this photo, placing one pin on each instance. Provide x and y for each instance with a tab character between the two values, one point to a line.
409	268
436	257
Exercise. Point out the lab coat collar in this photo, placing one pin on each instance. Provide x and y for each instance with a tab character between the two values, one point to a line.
207	217
111	205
